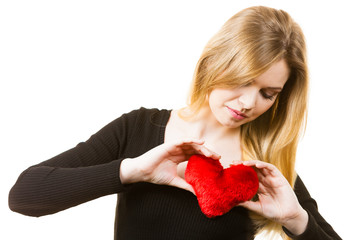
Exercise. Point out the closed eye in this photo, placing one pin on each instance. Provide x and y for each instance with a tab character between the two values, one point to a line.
270	93
268	96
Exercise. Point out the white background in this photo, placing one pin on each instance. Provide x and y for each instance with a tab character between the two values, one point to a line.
67	68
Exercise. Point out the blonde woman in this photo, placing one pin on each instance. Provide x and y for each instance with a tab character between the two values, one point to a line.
247	104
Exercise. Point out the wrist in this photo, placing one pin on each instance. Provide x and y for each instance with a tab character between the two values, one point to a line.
128	172
297	224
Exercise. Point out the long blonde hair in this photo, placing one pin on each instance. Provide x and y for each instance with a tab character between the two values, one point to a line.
244	48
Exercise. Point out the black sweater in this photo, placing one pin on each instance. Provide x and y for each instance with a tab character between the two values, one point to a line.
144	211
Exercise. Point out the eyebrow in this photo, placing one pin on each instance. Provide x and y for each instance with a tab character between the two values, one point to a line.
274	88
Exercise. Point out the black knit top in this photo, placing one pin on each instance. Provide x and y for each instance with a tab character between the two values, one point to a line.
144	211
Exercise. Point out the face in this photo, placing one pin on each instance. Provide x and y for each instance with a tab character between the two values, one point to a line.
236	106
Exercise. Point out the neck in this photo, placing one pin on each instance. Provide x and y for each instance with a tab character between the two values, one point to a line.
208	127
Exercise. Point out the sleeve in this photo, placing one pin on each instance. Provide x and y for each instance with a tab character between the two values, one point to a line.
317	228
83	173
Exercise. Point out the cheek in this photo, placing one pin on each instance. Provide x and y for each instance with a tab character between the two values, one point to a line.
218	97
263	106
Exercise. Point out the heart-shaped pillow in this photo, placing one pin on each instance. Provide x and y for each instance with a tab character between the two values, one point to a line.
217	189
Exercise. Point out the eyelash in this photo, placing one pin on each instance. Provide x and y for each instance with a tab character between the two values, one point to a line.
263	94
268	97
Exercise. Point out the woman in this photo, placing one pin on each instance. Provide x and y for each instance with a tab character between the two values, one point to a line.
247	104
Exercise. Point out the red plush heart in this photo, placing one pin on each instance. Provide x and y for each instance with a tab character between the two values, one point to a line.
217	189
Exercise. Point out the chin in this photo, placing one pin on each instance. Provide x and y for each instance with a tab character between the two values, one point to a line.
233	124
237	124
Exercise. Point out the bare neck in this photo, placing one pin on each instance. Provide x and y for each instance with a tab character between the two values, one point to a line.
205	126
222	140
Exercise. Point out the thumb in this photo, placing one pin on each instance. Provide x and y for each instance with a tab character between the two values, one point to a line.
181	183
252	206
237	162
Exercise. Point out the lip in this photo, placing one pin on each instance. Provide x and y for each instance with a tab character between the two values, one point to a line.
237	114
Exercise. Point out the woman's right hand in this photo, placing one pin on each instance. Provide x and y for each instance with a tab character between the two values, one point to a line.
159	165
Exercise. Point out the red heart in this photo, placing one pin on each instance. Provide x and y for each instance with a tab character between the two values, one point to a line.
217	189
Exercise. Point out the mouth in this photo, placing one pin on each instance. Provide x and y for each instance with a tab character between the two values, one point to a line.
237	114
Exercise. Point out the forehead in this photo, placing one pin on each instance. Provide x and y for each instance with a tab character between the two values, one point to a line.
275	76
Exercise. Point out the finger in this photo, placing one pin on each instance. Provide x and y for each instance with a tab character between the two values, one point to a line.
190	142
265	168
269	176
237	162
181	183
252	163
191	147
252	206
187	147
208	153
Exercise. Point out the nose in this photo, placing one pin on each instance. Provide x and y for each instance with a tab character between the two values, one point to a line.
247	99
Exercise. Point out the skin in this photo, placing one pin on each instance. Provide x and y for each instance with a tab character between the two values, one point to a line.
166	163
277	200
253	99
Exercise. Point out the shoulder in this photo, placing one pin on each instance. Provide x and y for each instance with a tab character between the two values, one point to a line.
145	122
152	116
143	129
138	119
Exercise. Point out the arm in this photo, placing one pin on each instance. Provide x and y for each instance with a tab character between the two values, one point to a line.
159	165
295	211
85	172
317	227
92	169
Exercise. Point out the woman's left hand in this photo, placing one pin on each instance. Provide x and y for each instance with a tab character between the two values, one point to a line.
276	199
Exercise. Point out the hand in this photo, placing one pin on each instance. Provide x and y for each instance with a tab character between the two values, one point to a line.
159	165
277	200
